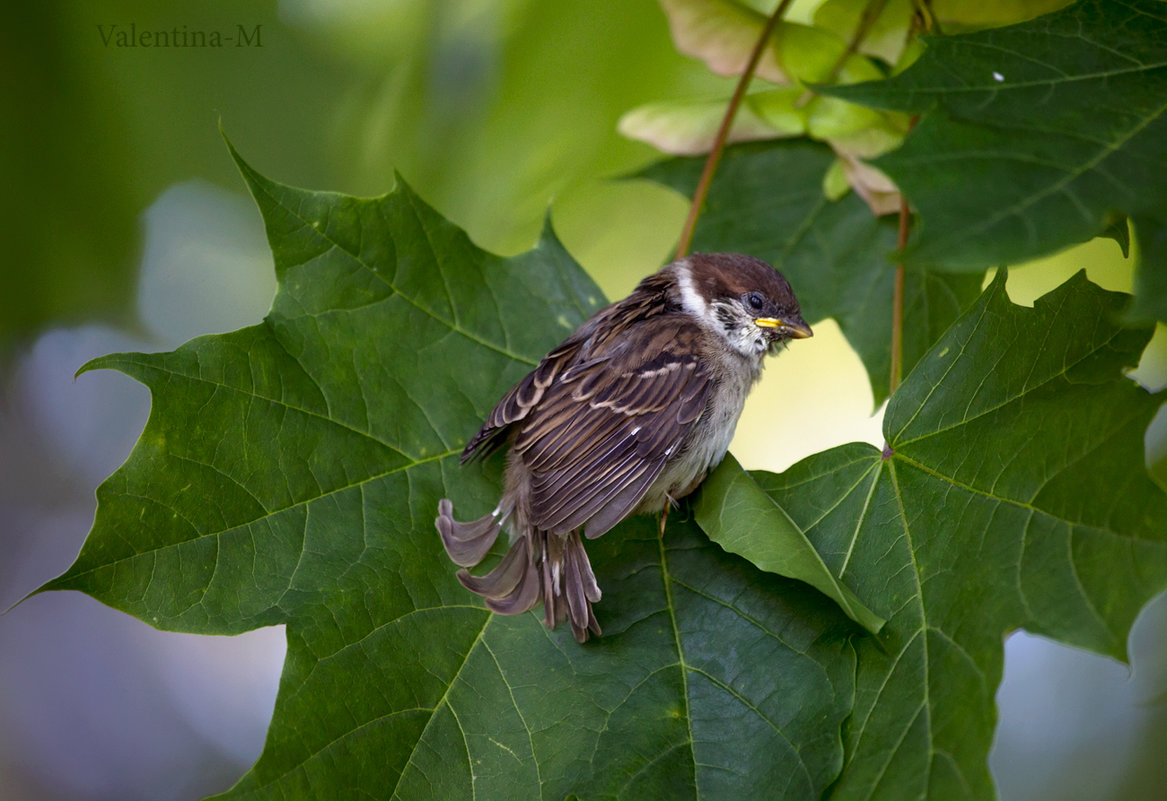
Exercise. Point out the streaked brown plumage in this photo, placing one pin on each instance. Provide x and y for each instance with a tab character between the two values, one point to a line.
626	416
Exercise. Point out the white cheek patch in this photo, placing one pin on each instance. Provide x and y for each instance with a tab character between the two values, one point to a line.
746	342
750	341
691	300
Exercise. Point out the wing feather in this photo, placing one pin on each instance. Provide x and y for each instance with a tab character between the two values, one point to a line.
598	340
570	506
602	433
518	402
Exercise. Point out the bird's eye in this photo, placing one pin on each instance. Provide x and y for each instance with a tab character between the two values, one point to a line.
755	301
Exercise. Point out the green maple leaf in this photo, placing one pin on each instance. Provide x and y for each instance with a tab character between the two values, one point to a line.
1035	137
767	200
290	472
1012	495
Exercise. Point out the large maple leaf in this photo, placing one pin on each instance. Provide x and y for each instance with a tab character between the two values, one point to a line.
290	473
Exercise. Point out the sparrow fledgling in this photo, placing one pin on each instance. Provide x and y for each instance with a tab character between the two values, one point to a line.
629	414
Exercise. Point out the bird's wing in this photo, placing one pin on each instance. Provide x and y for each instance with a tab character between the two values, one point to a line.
604	427
522	397
595	341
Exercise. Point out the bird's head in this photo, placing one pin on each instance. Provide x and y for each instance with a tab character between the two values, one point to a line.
742	299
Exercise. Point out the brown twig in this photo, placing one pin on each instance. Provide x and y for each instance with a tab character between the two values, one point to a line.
723	132
897	300
870	14
924	18
897	304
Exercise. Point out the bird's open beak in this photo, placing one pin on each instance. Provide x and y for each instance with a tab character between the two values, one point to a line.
794	326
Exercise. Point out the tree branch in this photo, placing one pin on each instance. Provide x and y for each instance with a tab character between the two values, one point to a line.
723	132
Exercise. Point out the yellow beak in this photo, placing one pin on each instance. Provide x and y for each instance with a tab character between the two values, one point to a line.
794	326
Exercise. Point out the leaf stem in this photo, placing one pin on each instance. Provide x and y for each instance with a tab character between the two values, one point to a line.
867	19
870	14
723	132
897	304
924	18
897	299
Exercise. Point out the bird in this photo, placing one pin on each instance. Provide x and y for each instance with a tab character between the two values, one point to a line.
626	416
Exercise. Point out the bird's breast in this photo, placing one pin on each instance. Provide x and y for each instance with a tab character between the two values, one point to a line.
707	442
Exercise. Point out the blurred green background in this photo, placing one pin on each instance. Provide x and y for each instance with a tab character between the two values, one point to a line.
127	228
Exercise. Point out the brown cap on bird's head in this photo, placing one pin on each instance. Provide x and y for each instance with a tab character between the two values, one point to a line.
761	288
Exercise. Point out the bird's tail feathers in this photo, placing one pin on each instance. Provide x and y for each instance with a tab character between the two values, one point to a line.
569	586
540	566
466	543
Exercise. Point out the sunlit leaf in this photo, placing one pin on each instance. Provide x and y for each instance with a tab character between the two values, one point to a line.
876	189
886	35
722	33
964	14
689	127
